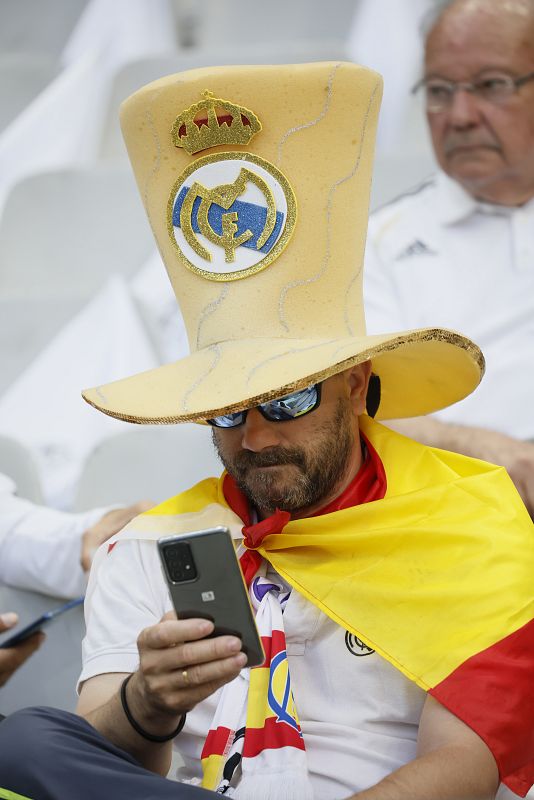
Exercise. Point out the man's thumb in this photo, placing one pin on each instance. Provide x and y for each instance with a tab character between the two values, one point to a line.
8	620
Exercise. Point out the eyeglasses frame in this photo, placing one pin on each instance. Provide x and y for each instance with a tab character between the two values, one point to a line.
316	386
471	87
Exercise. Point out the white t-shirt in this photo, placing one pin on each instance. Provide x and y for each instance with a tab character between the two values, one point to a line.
437	257
359	715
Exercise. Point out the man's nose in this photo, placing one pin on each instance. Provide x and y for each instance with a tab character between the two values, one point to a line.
259	433
464	111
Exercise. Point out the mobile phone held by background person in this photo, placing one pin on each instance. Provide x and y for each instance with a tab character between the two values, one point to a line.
39	624
205	581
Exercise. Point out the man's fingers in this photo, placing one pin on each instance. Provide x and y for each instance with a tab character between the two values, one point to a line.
110	524
8	620
171	632
29	645
180	691
119	517
170	659
211	672
13	657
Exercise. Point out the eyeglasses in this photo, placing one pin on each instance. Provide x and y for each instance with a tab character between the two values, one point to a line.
495	88
283	409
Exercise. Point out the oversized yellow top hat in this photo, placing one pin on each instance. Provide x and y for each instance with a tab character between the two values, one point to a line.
256	183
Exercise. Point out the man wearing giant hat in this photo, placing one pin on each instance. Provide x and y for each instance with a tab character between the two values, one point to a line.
392	582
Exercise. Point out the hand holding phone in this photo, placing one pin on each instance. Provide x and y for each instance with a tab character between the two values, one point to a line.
205	581
38	624
11	660
180	665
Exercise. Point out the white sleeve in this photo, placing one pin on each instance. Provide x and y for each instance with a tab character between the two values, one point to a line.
381	302
126	594
40	547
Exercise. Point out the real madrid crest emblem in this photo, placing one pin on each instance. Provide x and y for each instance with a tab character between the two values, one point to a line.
229	214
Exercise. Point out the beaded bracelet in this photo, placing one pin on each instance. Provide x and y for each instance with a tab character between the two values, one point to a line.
135	725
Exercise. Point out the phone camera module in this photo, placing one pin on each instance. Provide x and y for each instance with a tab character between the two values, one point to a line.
179	561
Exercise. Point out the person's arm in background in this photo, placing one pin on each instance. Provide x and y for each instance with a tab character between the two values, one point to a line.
516	456
46	550
13	657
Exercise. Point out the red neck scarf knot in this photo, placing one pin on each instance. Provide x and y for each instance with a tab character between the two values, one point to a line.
255	534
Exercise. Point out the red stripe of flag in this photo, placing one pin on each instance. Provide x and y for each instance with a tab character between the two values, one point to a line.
272	736
273	645
216	742
493	693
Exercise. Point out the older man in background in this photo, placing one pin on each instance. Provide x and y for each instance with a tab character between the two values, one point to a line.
459	249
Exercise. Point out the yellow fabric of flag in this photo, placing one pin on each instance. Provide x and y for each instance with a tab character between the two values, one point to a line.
438	570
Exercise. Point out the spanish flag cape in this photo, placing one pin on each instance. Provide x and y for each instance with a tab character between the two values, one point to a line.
437	577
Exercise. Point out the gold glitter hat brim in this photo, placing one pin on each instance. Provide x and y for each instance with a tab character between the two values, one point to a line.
421	371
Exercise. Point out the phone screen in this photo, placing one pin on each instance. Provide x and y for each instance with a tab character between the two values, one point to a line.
38	624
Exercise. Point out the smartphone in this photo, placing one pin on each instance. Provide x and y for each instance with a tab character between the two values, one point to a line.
38	624
205	581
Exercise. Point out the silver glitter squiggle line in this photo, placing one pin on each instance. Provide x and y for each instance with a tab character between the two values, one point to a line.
291	351
210	309
321	116
216	350
333	188
344	347
157	164
101	395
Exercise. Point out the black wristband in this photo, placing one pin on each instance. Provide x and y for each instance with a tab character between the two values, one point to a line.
149	736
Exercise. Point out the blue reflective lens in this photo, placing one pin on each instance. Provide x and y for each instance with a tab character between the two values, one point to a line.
282	409
292	405
229	420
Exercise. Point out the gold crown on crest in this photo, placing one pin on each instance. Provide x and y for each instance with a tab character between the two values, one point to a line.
213	121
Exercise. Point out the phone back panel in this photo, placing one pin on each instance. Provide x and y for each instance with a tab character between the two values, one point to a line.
218	591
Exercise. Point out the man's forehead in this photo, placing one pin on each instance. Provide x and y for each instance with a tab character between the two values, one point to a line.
476	35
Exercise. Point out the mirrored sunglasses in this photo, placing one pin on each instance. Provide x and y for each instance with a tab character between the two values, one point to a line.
282	409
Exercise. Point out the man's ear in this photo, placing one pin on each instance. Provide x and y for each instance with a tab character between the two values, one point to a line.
358	377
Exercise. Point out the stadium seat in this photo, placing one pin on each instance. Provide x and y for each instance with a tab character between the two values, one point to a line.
22	77
17	462
395	174
30	27
62	235
149	462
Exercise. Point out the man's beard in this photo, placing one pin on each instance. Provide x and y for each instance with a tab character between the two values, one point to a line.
320	467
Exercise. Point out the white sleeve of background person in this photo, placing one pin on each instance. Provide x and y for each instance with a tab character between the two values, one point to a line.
40	548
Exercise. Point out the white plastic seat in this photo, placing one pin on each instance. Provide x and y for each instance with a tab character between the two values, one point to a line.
30	26
62	235
148	462
394	175
22	77
17	462
239	22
